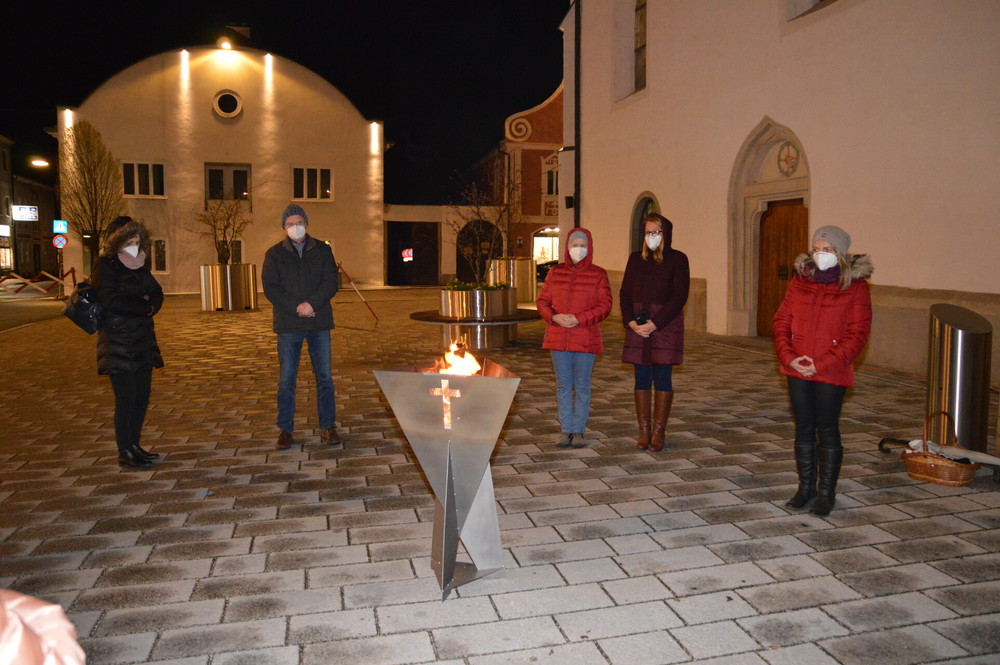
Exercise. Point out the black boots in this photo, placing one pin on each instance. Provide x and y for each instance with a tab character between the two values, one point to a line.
805	464
129	458
145	454
829	470
643	413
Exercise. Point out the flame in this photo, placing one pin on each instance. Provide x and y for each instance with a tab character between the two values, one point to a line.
457	361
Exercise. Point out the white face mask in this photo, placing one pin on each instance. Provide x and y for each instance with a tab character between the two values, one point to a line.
824	260
296	232
577	253
653	242
132	250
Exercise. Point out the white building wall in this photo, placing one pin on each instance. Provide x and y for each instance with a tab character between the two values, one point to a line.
160	110
895	103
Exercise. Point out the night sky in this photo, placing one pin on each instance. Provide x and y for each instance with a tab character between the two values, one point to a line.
442	74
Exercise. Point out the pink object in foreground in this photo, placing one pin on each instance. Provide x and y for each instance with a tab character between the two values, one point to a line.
34	632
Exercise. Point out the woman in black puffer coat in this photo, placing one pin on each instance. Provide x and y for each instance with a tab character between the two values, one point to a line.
126	343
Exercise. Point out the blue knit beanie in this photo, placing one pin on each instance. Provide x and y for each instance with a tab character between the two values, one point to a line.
290	211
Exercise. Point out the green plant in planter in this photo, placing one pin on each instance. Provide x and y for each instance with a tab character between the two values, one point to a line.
456	285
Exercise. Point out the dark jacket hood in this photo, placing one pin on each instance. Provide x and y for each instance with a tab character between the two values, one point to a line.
586	261
114	241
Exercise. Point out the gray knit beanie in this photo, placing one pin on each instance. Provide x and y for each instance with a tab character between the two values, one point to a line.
577	234
834	235
291	210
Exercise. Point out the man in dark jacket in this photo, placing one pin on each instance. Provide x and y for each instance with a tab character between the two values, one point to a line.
300	278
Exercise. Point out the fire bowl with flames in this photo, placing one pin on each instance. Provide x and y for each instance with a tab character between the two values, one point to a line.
451	412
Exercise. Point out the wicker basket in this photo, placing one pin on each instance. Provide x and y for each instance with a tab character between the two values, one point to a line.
933	468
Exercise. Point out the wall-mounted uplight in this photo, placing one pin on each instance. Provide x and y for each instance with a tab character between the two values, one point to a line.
224	43
38	162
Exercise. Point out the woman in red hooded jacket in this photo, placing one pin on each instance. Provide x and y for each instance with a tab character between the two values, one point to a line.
821	326
575	298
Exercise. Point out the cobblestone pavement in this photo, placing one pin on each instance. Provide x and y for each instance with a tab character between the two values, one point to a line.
230	552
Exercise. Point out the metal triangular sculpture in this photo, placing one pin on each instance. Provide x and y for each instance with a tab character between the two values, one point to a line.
452	423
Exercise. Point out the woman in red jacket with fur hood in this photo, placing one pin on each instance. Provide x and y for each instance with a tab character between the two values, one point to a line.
820	329
574	300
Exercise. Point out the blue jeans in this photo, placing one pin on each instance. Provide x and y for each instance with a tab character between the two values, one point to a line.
662	375
289	352
573	376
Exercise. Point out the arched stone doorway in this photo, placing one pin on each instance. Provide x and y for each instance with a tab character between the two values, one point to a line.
644	204
771	166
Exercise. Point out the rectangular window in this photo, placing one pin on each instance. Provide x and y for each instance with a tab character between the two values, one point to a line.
640	44
552	183
144	180
227	182
313	184
237	254
159	258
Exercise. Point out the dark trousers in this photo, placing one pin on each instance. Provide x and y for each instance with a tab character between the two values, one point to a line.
131	400
660	375
816	407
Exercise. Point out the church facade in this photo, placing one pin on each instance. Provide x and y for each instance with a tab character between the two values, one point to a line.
751	124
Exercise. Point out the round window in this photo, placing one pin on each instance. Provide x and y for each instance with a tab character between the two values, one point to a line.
227	104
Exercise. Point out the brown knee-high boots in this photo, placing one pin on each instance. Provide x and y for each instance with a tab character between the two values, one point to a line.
644	413
661	412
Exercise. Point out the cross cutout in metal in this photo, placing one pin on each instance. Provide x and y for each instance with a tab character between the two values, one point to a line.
446	393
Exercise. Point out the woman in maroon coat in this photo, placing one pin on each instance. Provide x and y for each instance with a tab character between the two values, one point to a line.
575	298
821	327
653	294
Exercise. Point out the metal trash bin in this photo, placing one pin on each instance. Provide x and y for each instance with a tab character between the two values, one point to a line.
958	374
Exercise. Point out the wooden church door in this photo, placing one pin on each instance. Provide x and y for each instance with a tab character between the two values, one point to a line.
784	234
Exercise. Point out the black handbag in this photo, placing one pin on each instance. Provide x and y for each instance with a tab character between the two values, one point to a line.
84	309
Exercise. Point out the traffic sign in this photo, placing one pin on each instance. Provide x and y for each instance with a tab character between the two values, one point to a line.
60	226
59	241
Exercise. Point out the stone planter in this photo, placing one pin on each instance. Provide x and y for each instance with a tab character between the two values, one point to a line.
227	288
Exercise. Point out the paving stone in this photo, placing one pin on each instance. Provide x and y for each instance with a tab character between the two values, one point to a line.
760	548
119	649
888	612
435	614
681	558
161	617
969	599
709	607
929	549
591	570
617	621
248	585
139	596
378	650
521	604
784	596
637	590
655	648
786	569
561	552
900	646
798	655
288	603
196	640
708	579
271	656
584	653
332	626
834	539
977	635
359	573
714	639
514	635
853	559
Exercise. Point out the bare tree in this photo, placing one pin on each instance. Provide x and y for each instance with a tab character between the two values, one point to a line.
484	213
224	221
90	185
